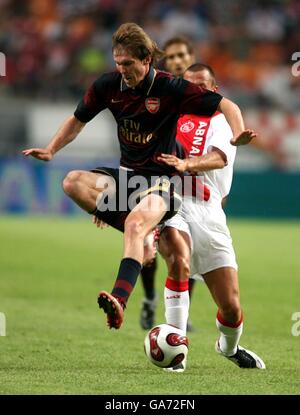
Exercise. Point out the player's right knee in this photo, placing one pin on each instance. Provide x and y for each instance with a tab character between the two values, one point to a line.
70	181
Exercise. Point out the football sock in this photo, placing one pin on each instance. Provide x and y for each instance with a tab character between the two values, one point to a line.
148	279
128	273
191	287
229	334
177	303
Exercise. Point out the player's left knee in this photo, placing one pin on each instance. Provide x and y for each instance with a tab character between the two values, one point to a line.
232	312
134	226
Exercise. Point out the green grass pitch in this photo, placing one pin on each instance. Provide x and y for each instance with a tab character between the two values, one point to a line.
57	341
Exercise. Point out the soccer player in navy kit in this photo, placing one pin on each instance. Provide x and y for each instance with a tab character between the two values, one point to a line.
146	104
179	54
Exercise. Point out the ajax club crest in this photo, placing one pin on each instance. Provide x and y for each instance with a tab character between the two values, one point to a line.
187	127
152	104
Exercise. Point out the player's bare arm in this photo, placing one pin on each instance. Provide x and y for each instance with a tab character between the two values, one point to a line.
215	159
204	77
65	135
233	115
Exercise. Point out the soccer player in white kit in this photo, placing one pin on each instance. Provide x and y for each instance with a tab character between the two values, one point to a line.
196	242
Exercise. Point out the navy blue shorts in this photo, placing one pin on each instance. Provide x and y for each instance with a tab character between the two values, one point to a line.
130	188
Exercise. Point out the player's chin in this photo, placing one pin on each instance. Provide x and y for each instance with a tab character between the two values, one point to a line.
130	82
179	72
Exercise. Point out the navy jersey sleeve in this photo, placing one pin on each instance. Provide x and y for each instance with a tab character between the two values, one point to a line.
199	101
94	100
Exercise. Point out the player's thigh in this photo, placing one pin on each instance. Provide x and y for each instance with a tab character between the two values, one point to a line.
90	179
148	212
174	244
224	287
101	182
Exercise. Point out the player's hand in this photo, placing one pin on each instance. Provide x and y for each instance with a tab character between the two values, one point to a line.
179	164
244	138
39	153
99	223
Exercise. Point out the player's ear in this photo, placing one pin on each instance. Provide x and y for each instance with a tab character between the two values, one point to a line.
147	60
216	87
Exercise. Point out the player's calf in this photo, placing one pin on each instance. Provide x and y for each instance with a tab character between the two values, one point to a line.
138	224
229	334
149	304
176	253
177	303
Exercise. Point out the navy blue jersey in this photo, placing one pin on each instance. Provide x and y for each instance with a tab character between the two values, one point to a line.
146	115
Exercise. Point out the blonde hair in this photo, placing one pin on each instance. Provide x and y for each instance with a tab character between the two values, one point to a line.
137	42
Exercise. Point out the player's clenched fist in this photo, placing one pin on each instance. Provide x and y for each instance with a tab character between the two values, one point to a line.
39	153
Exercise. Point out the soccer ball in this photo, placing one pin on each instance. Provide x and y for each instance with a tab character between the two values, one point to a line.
166	345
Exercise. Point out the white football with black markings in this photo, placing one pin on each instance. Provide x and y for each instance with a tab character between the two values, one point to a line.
166	345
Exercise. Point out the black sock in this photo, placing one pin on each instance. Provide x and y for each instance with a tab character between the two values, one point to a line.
191	286
148	279
128	273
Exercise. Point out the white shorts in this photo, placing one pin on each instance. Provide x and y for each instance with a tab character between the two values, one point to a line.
211	242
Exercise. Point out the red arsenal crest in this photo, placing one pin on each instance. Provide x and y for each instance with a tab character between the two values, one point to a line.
152	104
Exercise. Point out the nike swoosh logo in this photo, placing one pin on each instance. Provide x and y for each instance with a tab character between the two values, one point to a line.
114	101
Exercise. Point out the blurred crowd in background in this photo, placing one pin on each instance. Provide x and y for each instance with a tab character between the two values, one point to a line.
56	48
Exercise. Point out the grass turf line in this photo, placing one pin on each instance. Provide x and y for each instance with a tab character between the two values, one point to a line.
57	341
